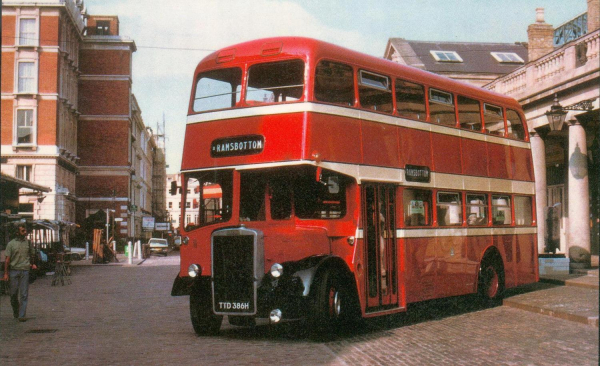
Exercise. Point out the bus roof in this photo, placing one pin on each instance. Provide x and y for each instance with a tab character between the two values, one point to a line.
270	49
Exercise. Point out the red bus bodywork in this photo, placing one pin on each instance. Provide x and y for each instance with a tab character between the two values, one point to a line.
372	152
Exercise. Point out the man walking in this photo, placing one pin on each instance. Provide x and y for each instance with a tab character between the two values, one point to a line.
20	257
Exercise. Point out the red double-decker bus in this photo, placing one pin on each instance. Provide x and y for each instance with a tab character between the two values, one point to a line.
339	185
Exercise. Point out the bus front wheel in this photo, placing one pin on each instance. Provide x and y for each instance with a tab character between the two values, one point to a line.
491	281
331	302
203	320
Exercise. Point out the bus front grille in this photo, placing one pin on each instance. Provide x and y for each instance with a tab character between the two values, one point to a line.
233	273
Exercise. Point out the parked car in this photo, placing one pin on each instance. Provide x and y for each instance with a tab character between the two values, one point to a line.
158	245
176	242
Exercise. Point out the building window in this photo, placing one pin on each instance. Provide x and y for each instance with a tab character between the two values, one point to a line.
27	33
23	172
24	128
102	28
26	77
170	204
507	57
446	56
187	204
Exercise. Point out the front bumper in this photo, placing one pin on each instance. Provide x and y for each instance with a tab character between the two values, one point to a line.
286	294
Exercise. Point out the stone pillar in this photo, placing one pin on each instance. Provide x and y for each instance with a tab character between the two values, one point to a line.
578	230
540	37
538	151
593	18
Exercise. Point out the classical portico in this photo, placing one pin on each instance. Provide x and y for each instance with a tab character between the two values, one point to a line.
565	157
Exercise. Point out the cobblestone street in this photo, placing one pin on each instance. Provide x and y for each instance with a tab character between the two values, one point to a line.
125	315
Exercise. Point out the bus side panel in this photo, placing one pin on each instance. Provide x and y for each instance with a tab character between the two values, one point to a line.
282	135
506	246
415	147
522	164
420	269
334	138
458	264
385	151
526	260
499	161
446	153
474	158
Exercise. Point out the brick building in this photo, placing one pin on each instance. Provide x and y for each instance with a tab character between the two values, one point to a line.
69	119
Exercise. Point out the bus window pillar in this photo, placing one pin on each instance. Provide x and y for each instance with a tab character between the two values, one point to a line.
578	229
538	151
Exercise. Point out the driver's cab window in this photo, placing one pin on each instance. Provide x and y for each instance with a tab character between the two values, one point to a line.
210	198
252	197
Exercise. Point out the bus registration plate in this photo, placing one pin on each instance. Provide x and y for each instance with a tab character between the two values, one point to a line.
232	306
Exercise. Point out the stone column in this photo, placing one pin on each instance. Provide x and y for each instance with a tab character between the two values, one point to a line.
538	151
578	230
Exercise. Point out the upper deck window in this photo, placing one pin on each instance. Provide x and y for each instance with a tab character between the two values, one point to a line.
469	114
446	56
514	125
441	107
334	83
507	57
275	82
410	100
375	92
218	89
494	119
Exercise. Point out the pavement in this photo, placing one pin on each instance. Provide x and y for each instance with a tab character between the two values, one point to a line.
123	314
572	297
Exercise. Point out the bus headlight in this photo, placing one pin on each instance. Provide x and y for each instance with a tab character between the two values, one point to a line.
276	270
194	270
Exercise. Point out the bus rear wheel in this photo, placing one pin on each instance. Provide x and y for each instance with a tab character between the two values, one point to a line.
491	281
203	320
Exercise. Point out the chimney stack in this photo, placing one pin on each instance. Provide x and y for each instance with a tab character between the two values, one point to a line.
541	36
593	15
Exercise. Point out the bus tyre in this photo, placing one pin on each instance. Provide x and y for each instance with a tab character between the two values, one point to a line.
491	281
330	303
203	320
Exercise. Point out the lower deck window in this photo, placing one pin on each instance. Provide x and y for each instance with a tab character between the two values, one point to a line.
477	209
417	207
449	209
523	211
501	211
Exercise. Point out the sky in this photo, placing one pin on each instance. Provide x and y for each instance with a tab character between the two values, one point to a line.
173	36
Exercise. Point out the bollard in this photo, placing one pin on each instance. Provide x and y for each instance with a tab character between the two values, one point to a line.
87	250
139	248
129	257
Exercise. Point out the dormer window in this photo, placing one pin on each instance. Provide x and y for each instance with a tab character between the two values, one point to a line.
446	56
507	57
103	28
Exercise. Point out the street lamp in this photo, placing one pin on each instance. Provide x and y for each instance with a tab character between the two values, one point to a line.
557	113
